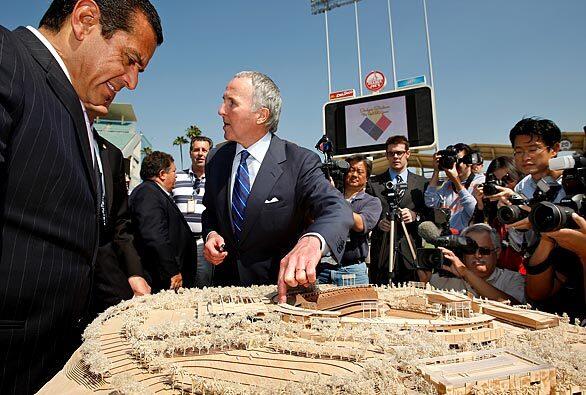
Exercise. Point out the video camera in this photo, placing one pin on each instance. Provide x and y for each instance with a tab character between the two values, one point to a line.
394	193
546	191
333	169
449	157
549	217
432	259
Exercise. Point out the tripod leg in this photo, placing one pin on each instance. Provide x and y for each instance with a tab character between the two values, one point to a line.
392	236
409	241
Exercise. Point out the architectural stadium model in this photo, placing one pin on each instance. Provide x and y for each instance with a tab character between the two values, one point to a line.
348	340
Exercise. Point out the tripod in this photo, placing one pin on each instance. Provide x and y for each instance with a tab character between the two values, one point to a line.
390	240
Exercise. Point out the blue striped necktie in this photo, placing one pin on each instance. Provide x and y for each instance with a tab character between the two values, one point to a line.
240	194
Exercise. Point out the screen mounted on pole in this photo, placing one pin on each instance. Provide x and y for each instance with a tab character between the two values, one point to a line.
365	123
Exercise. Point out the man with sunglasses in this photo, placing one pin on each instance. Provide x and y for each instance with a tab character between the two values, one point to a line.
477	273
412	210
456	193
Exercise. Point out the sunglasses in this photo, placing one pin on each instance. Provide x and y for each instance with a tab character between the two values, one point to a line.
483	251
507	179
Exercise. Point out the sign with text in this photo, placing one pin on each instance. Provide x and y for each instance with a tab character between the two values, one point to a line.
345	94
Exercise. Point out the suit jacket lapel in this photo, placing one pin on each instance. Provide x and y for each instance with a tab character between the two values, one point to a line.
268	174
63	89
223	203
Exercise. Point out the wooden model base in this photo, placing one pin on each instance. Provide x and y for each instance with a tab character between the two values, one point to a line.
351	340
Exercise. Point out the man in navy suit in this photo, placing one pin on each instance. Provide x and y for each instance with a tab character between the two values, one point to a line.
163	237
84	50
260	191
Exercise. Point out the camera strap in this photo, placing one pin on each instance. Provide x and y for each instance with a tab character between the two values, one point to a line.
469	180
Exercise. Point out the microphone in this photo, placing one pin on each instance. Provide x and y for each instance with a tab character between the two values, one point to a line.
428	231
431	234
567	162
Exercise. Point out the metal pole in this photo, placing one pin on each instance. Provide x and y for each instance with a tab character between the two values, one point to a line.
358	46
392	45
428	45
328	54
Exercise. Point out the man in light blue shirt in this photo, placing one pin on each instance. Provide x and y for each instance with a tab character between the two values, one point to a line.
456	193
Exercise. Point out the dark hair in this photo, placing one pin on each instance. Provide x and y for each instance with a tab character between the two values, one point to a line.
394	140
201	138
114	15
463	147
542	129
505	162
153	163
363	159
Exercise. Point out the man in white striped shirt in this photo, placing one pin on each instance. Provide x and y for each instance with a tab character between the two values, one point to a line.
188	195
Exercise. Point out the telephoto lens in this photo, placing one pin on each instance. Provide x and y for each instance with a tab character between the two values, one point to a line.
511	214
549	217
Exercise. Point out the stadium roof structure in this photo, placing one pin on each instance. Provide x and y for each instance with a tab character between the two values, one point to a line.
488	151
119	127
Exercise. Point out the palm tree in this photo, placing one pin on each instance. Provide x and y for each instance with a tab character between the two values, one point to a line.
193	131
146	151
180	140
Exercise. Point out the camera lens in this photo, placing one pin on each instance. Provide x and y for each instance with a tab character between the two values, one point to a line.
447	162
549	217
510	214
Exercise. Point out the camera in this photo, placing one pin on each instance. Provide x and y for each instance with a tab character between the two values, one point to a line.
514	212
394	194
448	157
550	217
547	190
430	259
332	169
490	185
433	258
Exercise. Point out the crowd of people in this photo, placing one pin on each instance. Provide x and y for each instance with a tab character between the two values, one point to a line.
255	210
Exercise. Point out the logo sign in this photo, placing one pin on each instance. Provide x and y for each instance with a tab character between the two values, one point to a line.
411	81
565	145
375	81
348	93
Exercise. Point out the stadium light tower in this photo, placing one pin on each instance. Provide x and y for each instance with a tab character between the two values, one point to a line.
322	7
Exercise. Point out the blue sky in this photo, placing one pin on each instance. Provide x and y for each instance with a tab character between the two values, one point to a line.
494	61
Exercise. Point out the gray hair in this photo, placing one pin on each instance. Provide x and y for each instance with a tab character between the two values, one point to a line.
265	94
484	228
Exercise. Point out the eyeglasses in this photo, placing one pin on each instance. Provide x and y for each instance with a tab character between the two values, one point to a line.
398	154
518	153
483	251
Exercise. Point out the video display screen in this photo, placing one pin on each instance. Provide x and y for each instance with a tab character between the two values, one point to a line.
364	124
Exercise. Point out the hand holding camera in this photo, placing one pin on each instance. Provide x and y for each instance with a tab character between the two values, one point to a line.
453	265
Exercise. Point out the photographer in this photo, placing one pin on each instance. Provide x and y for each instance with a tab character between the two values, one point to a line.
477	272
366	210
456	193
411	208
535	142
501	178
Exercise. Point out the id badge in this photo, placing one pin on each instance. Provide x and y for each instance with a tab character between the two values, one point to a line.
191	205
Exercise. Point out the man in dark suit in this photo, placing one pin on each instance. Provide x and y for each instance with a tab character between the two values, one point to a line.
412	210
258	192
48	193
163	237
118	273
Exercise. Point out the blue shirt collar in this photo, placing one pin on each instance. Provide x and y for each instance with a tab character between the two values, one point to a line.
403	174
